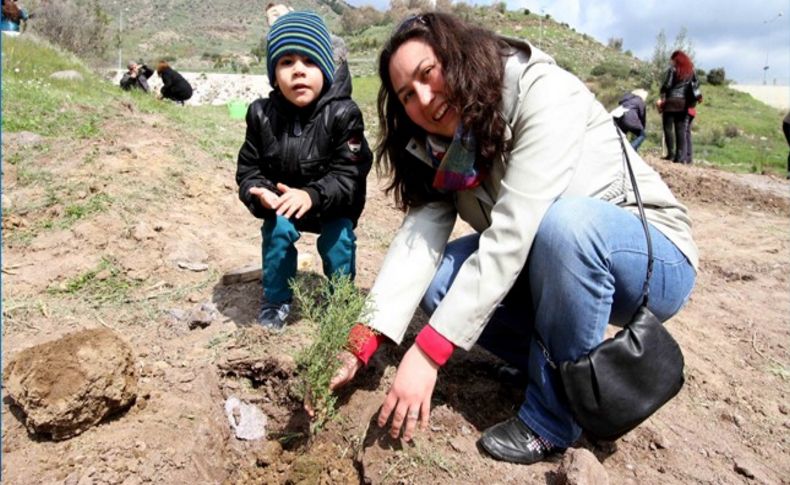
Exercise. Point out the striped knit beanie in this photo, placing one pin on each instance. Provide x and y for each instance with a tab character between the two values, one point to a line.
303	33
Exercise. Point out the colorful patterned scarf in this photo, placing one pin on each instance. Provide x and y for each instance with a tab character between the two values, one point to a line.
456	167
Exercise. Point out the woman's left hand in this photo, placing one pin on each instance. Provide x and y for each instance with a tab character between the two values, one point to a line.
410	395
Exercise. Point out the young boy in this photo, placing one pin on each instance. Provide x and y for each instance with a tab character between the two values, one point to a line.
304	160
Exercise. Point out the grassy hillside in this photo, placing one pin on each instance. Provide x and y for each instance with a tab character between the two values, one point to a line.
732	129
194	32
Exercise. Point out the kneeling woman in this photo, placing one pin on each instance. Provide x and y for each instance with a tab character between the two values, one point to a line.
174	86
492	130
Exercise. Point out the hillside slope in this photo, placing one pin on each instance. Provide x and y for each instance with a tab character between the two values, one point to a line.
731	129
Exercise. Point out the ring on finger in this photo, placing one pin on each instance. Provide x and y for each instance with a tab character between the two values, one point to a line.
413	414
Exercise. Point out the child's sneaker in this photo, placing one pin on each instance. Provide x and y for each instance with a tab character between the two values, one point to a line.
274	315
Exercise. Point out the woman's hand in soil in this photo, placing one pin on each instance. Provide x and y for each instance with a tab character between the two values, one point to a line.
292	202
409	399
349	365
267	197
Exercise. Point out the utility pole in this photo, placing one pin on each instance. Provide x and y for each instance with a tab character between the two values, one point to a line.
765	65
120	40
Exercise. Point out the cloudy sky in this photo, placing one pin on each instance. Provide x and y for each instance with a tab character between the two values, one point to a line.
742	37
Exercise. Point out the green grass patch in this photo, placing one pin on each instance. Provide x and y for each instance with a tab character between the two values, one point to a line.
77	211
737	132
33	101
105	284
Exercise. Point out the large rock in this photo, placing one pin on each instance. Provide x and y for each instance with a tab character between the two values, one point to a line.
70	75
580	467
68	385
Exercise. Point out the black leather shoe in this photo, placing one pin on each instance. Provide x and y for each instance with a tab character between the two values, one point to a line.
513	441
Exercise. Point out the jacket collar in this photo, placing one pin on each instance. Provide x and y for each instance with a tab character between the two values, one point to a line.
522	56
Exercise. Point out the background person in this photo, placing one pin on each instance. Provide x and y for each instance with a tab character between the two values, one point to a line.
174	86
13	18
305	160
492	130
630	116
786	130
136	77
677	96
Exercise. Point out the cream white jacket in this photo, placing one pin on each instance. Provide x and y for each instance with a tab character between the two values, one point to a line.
564	144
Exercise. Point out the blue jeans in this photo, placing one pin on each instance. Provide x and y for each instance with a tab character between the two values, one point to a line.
585	270
637	142
336	245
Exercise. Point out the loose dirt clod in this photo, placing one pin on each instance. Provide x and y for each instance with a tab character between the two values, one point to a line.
68	385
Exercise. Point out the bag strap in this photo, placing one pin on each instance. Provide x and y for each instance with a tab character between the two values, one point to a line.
646	287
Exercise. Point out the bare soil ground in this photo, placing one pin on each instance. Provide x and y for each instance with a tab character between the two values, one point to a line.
730	424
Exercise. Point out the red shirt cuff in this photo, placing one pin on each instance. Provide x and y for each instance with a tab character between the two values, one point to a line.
438	348
363	342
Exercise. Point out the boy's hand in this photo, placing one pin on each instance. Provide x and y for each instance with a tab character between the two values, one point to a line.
267	197
292	202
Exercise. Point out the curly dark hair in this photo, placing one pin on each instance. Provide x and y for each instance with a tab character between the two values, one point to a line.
473	69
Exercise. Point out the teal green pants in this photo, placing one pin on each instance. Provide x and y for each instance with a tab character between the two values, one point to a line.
337	247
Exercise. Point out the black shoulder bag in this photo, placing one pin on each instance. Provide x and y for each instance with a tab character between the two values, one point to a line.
628	377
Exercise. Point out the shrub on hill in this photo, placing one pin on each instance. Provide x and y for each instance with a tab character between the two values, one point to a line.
717	77
79	26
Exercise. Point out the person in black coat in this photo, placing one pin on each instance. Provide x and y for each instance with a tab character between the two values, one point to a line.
786	130
174	86
679	92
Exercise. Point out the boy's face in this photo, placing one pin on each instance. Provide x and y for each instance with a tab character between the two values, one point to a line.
299	79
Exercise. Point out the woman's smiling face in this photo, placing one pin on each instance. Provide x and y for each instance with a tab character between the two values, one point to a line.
418	82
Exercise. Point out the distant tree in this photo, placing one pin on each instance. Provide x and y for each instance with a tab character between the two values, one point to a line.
399	9
464	11
421	4
259	51
80	26
444	5
683	43
357	19
501	7
336	6
717	77
615	43
660	60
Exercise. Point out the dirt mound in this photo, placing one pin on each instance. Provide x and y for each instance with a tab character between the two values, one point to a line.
66	386
736	192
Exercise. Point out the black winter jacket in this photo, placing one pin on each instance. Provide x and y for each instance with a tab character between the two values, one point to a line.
174	86
679	94
320	149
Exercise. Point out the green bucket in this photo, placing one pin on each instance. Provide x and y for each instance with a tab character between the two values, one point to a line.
237	109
